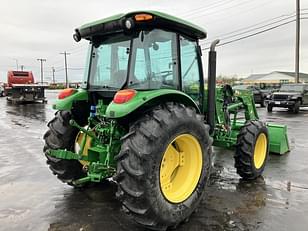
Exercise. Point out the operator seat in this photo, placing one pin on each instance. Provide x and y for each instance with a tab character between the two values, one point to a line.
227	94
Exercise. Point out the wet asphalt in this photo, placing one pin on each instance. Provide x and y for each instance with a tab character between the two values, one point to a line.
31	198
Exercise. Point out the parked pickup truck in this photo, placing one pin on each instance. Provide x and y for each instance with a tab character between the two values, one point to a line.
291	96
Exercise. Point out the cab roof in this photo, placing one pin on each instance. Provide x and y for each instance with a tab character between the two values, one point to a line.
117	24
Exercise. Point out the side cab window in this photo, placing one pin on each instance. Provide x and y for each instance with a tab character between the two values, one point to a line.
189	68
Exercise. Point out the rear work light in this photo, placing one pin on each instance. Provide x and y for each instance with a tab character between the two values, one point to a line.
66	92
124	96
143	17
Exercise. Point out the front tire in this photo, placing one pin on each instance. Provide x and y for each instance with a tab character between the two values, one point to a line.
164	151
262	103
251	150
296	107
62	136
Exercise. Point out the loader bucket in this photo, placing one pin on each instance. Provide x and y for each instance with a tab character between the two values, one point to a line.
278	138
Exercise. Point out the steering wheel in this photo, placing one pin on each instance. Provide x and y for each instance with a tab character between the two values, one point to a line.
164	74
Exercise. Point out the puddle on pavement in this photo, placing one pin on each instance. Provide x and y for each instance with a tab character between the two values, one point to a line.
34	111
270	203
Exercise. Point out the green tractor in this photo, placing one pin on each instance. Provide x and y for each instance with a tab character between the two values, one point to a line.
146	119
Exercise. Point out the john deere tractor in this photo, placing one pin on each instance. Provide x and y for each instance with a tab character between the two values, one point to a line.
145	118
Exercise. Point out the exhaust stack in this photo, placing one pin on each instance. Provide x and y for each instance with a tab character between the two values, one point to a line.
211	101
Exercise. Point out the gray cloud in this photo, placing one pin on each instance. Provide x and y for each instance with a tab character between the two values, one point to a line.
42	29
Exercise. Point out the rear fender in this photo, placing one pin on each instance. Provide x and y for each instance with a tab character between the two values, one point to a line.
149	98
67	103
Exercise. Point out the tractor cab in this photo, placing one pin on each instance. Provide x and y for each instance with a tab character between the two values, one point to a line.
143	51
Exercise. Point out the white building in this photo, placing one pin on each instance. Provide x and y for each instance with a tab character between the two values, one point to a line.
275	78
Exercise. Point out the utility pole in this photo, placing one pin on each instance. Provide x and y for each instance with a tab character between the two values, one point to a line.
65	63
297	42
16	60
22	67
42	77
53	75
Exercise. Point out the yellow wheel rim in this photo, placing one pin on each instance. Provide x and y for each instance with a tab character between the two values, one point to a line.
180	168
87	145
260	151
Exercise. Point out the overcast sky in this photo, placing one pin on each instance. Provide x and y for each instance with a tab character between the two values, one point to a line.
35	29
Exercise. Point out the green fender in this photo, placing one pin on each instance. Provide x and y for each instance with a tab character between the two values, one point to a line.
66	103
153	96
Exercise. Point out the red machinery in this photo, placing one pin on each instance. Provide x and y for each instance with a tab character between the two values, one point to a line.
20	87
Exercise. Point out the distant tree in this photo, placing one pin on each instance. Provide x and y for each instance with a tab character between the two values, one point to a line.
225	79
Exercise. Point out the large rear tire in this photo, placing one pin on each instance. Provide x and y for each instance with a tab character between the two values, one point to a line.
251	150
163	166
62	136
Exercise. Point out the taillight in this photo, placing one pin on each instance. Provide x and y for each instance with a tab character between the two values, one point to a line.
66	92
124	96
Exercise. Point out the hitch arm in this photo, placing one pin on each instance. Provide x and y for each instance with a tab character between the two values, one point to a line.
73	123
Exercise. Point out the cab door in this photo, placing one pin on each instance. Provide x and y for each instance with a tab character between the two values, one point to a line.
190	72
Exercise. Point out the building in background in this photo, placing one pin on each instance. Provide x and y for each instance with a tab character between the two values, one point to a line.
274	79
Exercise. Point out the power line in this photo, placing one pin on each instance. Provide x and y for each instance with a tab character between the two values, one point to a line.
77	52
250	30
77	48
207	7
254	34
236	13
219	6
285	16
212	6
224	9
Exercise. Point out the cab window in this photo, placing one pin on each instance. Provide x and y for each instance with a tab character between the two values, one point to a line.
190	68
154	65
